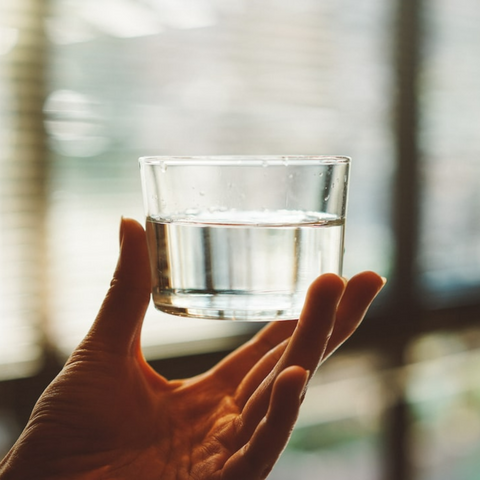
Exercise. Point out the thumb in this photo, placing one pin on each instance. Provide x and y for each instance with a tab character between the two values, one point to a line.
118	324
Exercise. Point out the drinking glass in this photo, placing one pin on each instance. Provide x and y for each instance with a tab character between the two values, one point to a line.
242	237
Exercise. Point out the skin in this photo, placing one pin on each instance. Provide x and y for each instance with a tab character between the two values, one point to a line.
109	415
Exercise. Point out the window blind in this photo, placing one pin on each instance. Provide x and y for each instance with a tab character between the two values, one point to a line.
450	247
201	77
23	170
223	77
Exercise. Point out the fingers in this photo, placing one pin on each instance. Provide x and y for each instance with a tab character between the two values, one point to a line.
332	311
118	324
273	388
257	458
317	320
258	373
360	292
307	344
233	368
249	365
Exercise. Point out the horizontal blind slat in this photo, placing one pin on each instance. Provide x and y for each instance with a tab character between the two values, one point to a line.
22	187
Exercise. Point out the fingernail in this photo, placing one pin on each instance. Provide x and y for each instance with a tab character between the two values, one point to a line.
384	280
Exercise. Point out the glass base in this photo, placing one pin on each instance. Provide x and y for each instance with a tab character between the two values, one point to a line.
232	306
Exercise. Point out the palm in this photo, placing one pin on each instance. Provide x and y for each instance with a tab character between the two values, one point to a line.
145	423
108	415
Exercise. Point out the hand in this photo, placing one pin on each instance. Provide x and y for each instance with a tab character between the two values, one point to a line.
109	415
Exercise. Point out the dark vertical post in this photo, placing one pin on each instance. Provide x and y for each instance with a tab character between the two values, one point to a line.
405	312
406	199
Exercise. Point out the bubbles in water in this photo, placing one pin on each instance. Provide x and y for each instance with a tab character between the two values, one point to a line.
202	193
217	209
192	211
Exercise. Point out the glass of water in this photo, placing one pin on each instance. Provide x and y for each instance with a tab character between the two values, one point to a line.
242	237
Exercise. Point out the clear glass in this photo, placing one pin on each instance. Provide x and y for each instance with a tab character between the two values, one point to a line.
242	237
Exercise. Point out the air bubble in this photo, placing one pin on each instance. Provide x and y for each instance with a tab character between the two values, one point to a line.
202	193
192	211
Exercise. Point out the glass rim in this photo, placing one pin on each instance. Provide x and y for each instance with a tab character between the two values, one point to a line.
243	160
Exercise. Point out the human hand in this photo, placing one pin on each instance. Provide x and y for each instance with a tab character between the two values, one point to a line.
109	415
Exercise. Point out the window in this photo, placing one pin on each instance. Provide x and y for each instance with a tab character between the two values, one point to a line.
227	76
88	86
450	169
222	75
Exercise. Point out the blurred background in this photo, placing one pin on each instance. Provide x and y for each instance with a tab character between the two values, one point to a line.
88	86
